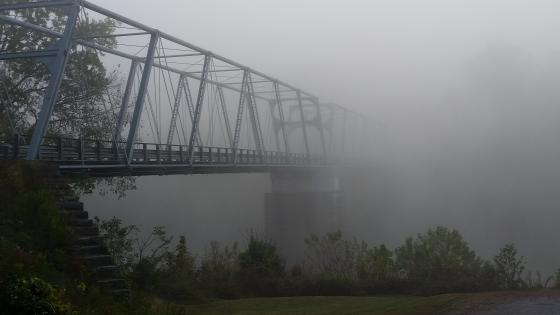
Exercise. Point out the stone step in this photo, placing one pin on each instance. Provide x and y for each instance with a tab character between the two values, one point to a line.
112	284
89	240
88	250
78	214
71	205
77	222
86	231
106	272
98	260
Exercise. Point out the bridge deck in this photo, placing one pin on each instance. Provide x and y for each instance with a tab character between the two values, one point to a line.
107	158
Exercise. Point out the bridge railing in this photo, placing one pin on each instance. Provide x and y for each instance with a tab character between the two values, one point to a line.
91	151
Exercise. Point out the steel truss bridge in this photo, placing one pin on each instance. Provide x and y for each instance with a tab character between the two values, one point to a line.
180	108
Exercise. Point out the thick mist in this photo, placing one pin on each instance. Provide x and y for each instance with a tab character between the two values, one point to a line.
462	99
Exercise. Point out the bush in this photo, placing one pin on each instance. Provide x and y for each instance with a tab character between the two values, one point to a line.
218	271
260	268
31	295
439	261
509	268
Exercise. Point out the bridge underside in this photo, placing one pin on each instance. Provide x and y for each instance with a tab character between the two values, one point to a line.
116	170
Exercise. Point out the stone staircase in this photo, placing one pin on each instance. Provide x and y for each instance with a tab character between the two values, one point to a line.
89	246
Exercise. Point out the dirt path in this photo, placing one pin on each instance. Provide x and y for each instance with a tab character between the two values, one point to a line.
511	303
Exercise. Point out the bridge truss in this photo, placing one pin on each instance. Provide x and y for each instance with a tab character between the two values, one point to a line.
178	106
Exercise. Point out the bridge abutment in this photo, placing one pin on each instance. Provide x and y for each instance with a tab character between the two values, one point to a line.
301	202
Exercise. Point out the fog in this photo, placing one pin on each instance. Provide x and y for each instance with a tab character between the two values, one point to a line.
462	98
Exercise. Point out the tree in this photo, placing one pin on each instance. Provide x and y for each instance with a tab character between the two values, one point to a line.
86	88
218	270
175	278
332	256
260	267
375	264
509	267
439	261
88	93
118	240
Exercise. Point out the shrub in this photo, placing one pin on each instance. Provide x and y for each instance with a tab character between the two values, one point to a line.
437	262
260	267
218	271
31	295
509	267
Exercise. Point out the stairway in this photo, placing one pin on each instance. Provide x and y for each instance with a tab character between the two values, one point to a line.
89	246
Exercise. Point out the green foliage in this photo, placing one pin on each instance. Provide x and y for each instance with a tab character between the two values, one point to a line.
118	240
79	109
30	223
218	271
176	279
332	256
509	267
260	267
31	295
439	261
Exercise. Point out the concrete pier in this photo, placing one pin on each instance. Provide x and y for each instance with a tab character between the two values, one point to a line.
301	202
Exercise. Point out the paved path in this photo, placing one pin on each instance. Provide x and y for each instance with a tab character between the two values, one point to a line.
516	303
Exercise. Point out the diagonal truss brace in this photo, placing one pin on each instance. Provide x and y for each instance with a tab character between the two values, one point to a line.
198	108
175	111
254	116
281	115
142	91
125	101
56	65
225	114
239	119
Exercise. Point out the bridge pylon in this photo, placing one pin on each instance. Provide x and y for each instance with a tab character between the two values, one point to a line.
301	202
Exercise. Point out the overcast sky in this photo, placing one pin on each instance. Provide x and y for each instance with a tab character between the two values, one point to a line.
351	51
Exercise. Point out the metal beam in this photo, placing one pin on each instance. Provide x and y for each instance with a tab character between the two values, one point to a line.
33	5
282	120
320	127
142	91
56	66
302	116
29	54
198	108
225	114
190	107
125	101
254	116
239	119
175	111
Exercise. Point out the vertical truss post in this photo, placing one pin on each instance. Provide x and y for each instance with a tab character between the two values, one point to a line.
188	97
225	114
198	108
175	112
124	104
343	130
303	127
56	67
239	116
254	116
281	115
142	91
320	127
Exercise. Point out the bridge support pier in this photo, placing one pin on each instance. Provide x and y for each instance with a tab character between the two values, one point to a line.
301	202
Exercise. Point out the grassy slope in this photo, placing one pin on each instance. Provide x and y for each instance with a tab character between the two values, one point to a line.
391	305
